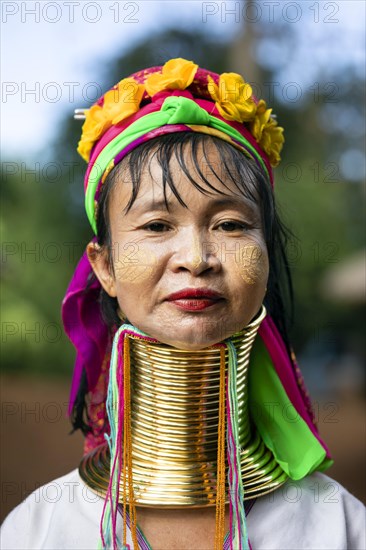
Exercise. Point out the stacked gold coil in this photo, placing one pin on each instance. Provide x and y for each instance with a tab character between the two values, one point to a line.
175	405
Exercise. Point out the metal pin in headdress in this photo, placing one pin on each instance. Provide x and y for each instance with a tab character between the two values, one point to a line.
80	114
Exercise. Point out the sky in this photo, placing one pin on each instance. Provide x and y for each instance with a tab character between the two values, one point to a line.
49	50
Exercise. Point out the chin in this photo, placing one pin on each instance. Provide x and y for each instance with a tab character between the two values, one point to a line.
191	335
191	341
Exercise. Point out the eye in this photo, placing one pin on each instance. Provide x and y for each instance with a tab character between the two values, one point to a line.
157	227
229	226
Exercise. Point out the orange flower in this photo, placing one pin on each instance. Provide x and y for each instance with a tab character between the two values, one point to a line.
94	127
119	103
124	100
177	74
233	97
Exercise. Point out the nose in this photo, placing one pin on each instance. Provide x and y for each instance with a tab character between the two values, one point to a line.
195	254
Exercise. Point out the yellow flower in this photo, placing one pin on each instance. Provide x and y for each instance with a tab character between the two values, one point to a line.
272	140
94	126
123	101
262	116
119	103
177	74
233	97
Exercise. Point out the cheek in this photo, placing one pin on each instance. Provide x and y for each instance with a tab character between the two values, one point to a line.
251	264
134	264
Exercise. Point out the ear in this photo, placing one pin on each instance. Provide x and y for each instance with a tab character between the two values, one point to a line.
98	258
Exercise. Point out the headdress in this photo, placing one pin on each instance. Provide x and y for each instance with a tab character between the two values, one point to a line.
177	97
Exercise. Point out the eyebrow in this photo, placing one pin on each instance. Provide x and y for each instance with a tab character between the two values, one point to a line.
159	205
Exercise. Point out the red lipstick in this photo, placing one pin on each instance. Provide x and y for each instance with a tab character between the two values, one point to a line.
195	299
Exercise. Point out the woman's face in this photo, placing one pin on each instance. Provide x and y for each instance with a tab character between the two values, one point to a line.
214	251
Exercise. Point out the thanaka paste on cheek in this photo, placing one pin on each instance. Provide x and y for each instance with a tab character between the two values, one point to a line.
251	263
134	263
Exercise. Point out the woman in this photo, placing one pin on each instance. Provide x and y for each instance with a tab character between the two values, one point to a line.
199	433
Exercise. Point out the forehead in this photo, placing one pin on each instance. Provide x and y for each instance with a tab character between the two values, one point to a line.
184	176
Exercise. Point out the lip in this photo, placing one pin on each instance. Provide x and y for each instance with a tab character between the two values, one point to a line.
195	299
195	294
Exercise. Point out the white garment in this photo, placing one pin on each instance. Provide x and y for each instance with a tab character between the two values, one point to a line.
315	513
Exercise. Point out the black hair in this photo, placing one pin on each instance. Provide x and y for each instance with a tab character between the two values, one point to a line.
251	181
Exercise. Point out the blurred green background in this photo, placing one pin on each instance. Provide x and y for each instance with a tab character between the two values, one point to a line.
321	197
